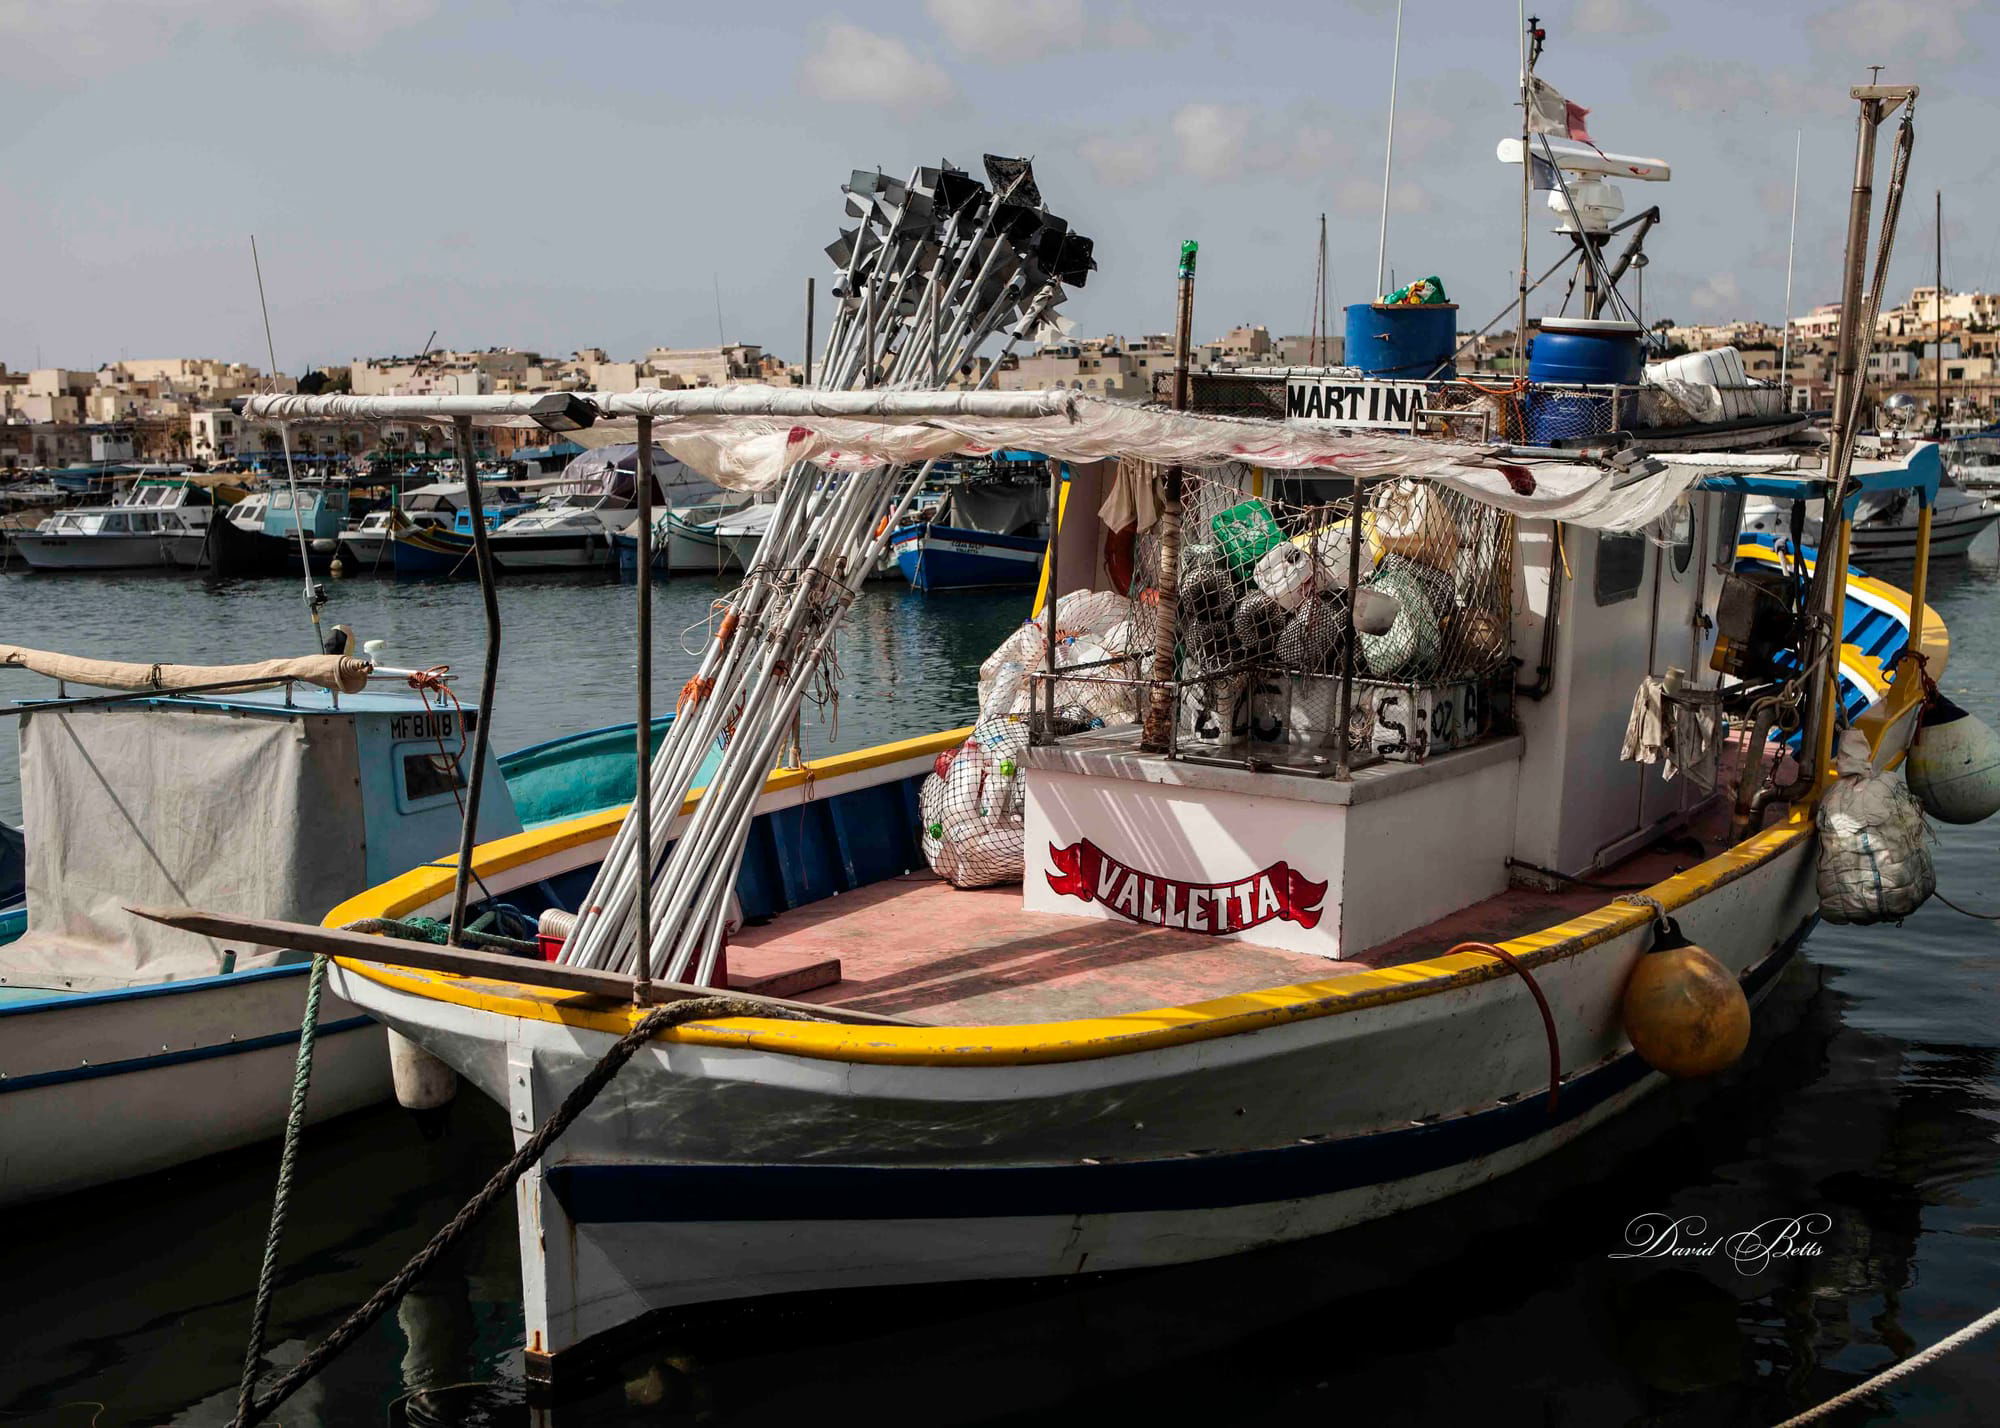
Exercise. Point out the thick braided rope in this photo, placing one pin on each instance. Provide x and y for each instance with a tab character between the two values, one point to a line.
295	1119
532	1150
1890	1375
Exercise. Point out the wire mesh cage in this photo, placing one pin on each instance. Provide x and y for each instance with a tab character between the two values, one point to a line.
1274	588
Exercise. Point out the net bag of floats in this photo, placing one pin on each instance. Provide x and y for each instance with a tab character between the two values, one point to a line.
973	803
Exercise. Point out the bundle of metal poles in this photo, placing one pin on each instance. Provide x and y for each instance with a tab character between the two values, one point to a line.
935	268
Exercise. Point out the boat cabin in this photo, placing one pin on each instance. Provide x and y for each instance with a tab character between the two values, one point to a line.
283	799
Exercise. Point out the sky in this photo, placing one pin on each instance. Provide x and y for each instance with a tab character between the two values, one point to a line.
611	172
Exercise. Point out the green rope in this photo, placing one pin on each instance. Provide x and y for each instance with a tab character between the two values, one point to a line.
251	1411
295	1119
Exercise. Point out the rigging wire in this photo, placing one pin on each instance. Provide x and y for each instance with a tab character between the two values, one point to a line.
315	594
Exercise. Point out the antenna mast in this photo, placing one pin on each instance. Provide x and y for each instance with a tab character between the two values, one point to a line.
1388	155
1791	246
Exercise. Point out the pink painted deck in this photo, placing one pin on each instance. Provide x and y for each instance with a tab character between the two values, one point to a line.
917	947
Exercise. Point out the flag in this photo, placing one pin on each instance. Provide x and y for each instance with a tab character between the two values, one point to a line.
1550	113
1544	172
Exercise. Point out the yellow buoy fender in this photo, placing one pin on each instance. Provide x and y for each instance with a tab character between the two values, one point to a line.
1684	1012
1953	766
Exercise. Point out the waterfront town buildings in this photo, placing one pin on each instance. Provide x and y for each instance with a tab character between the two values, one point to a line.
177	408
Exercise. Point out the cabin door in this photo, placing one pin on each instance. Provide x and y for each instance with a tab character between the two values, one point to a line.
1679	586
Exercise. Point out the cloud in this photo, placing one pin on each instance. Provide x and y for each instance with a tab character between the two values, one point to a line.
1214	139
1018	31
1011	33
1617	17
85	38
853	65
1720	292
1885	31
1121	162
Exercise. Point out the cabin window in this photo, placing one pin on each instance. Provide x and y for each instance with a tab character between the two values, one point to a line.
1621	566
1681	523
428	775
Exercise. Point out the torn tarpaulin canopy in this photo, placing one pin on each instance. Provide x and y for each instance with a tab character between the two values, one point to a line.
747	437
751	454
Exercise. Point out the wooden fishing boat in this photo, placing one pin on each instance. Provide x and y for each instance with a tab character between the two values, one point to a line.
1146	1056
1314	918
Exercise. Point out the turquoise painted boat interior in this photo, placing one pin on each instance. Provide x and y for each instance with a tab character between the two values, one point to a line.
581	773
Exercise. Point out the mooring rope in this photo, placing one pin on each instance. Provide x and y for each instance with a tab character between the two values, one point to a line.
1890	1375
255	1409
295	1118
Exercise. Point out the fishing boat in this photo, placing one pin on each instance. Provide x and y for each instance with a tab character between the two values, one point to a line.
141	529
126	1048
368	544
682	542
426	548
1274	920
588	508
1885	530
987	530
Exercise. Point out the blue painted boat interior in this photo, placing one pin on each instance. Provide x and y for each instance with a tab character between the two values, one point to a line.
796	855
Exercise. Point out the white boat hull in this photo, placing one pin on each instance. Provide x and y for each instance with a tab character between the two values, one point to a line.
92	552
103	1086
707	1173
369	551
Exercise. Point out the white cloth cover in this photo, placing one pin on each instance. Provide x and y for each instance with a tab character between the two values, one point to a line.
1874	865
208	808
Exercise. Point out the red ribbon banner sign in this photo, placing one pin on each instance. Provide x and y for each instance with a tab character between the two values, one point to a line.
1084	870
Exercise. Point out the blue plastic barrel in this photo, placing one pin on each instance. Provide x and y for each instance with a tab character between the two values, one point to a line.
1585	350
1407	340
1582	352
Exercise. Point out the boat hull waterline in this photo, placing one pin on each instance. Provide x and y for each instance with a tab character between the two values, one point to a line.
93	1111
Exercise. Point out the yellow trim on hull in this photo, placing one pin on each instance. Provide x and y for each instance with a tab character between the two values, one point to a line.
1052	1042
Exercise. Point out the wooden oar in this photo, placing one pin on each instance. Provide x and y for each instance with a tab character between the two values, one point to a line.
463	961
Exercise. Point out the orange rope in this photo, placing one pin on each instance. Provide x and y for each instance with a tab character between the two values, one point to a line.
432	681
1534	988
692	693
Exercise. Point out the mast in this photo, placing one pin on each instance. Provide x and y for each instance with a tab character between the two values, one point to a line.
1937	330
1529	31
1791	246
1388	156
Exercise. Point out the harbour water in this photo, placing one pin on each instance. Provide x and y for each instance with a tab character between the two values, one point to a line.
1871	1101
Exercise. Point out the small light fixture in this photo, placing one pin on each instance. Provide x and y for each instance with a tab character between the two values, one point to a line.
562	411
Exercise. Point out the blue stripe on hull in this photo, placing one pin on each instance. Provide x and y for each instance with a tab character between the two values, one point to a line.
661	1194
35	1080
937	558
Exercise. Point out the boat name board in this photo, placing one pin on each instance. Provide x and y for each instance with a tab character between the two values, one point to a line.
1086	871
1363	403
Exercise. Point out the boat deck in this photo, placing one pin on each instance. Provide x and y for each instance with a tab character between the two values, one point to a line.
919	948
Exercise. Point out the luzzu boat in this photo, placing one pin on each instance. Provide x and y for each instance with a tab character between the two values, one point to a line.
1232	1007
1309	925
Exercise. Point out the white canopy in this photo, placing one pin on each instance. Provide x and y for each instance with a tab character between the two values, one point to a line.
747	437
